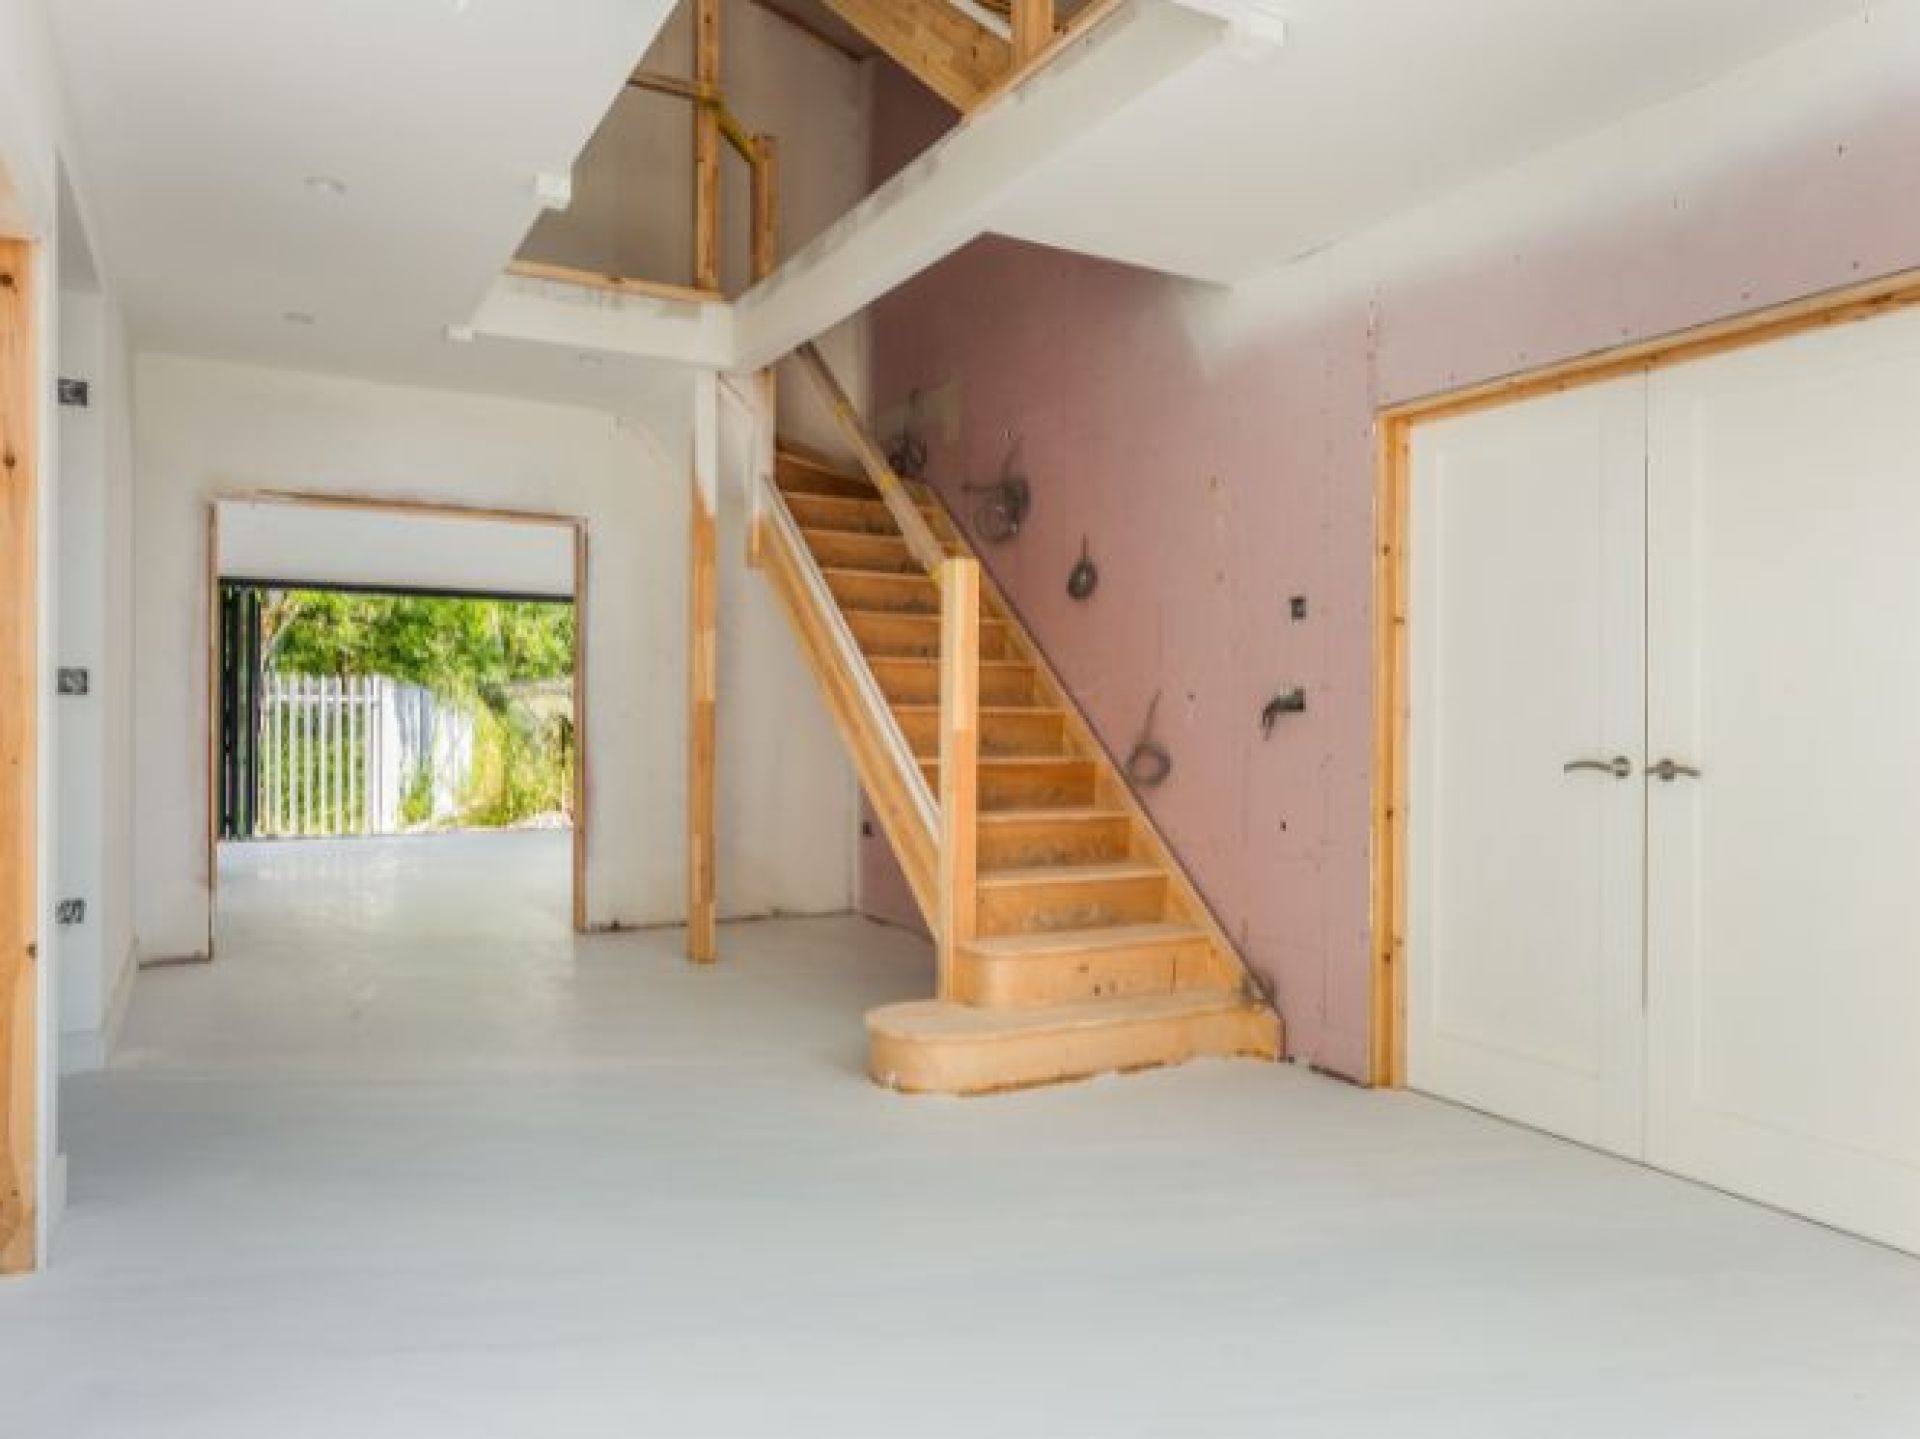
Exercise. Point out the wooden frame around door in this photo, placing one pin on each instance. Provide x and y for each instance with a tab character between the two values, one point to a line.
210	698
21	991
1394	429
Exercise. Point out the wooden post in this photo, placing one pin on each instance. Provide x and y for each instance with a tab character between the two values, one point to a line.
959	760
766	259
1033	28
766	206
706	147
581	807
702	675
20	996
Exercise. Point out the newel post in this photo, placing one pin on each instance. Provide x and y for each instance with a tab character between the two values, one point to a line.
959	759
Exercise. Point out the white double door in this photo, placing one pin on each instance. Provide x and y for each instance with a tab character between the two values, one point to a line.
1712	966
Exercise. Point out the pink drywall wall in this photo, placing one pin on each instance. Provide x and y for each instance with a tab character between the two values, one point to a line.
1216	477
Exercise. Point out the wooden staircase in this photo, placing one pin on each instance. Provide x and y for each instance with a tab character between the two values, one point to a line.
1081	947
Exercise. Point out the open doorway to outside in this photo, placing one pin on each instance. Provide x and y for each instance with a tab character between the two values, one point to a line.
350	713
395	685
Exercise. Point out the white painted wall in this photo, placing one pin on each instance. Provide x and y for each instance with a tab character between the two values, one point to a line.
91	739
383	549
34	151
205	429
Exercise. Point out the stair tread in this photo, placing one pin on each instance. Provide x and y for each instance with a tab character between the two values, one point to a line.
1081	941
985	664
986	621
1077	814
935	1020
1103	872
846	572
996	711
1035	760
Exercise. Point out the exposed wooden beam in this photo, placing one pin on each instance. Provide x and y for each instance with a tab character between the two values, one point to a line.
1064	34
954	55
812	29
959	763
672	85
614	284
703	675
766	206
19	689
582	820
1033	28
706	148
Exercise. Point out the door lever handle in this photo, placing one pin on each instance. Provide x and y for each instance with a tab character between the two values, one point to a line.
1619	766
1667	771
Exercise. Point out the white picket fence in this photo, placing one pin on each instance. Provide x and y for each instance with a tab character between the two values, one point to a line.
337	755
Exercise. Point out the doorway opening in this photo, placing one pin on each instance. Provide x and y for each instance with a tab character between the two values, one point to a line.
351	713
393	683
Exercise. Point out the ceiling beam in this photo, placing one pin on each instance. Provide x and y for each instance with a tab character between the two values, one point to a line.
950	52
813	29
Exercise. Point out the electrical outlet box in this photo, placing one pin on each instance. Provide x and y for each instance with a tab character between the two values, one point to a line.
72	682
70	911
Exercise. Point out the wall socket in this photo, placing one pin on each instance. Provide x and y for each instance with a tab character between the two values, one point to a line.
70	911
72	682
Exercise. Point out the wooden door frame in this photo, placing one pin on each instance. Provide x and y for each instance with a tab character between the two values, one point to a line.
417	509
23	997
1394	429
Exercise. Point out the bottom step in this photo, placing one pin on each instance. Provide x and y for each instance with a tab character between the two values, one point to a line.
933	1048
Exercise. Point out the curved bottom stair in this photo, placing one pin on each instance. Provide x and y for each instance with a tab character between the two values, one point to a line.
931	1047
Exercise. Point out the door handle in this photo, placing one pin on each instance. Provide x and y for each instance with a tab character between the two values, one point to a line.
1667	771
1619	766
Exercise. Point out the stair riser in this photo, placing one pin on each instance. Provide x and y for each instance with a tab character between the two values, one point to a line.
917	682
1066	785
801	479
1040	733
1032	981
987	1066
849	516
900	594
1033	844
918	637
861	552
1070	904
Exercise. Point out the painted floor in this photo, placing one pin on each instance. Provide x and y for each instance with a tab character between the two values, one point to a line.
409	1160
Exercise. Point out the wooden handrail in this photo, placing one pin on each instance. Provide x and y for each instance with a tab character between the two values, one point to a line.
926	550
867	702
958	854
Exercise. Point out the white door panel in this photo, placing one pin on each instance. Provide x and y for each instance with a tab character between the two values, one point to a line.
1527	649
1785	664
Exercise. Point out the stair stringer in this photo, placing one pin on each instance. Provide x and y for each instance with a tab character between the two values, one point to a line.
881	756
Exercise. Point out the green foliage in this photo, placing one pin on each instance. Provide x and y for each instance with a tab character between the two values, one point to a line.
523	765
458	648
507	662
416	799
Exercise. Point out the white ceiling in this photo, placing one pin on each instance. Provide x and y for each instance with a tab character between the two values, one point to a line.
199	122
1372	107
